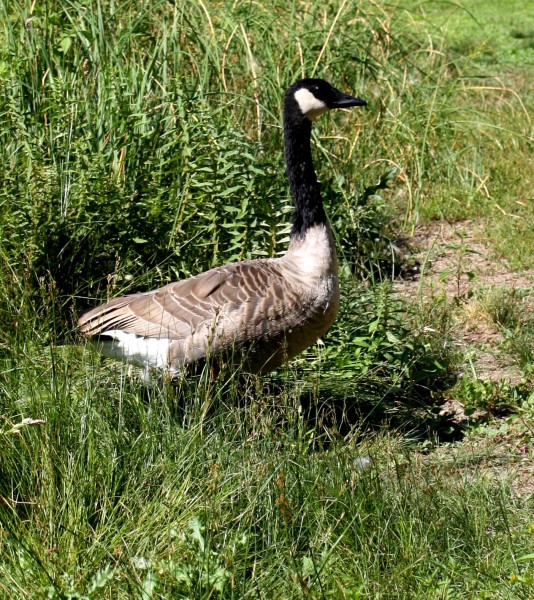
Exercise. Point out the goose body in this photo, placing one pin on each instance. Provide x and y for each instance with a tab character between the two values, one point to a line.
261	311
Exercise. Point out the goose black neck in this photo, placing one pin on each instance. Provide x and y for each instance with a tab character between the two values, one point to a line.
305	189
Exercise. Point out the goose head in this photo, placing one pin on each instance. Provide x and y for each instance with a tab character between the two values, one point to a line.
309	98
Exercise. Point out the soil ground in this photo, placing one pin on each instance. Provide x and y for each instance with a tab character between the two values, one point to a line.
457	268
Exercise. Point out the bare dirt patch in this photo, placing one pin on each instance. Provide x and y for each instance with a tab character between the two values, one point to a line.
456	267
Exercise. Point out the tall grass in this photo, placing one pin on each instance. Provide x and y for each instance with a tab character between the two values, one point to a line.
131	134
116	495
140	142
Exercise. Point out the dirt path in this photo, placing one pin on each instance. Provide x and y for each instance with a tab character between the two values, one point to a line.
456	268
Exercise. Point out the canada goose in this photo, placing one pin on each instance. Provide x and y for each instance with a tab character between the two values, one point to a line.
265	310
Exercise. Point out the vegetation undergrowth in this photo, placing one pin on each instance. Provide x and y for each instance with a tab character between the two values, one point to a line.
141	143
112	490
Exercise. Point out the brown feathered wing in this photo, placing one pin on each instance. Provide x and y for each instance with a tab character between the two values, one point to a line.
213	311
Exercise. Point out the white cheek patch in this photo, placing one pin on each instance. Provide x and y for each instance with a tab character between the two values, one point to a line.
310	106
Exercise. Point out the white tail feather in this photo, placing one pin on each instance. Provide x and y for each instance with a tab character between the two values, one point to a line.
141	351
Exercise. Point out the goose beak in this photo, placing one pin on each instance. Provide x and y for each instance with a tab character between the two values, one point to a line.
345	101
